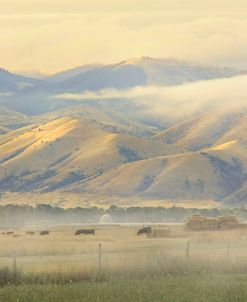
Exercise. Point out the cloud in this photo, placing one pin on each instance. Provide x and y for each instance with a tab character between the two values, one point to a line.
106	94
54	42
176	102
6	94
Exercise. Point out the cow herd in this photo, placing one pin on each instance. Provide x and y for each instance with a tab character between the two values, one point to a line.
142	231
47	232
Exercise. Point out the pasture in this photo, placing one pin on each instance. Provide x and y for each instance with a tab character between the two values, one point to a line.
62	251
174	266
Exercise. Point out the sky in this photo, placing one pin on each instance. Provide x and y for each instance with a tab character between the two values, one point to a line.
47	36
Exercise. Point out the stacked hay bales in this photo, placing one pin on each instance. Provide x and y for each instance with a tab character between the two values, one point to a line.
228	222
198	223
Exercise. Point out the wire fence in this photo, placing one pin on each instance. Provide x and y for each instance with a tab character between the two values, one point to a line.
103	257
116	248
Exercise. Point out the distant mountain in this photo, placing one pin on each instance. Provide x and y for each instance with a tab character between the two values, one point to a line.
126	74
140	72
168	72
67	74
32	96
10	82
119	76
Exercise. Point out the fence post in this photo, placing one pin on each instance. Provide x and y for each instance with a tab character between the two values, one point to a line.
14	262
228	250
187	254
99	256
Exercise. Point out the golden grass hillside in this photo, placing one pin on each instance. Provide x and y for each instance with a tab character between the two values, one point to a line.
112	120
86	161
211	174
68	150
205	130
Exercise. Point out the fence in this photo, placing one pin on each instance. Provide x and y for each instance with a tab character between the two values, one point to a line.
98	258
114	248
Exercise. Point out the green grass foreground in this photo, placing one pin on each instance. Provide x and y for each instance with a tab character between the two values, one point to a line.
171	280
168	289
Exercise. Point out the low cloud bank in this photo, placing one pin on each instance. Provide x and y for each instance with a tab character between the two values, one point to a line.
176	101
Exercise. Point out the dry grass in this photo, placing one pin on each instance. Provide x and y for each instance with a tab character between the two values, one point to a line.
61	251
63	267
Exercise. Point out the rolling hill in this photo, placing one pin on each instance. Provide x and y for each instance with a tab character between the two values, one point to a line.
211	128
107	118
65	151
212	174
10	119
78	156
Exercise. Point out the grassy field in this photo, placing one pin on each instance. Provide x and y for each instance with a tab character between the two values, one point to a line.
63	267
61	251
168	289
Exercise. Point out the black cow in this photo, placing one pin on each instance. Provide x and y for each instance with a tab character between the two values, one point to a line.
145	230
85	232
42	233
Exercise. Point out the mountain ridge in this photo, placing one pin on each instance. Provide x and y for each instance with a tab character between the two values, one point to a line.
122	148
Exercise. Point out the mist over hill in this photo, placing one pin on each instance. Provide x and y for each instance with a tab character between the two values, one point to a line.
143	129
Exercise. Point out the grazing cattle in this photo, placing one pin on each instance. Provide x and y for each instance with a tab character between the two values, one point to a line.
30	233
16	235
145	230
9	233
42	233
85	232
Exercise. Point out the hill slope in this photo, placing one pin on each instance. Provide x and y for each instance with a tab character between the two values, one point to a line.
212	174
206	130
65	151
78	156
10	119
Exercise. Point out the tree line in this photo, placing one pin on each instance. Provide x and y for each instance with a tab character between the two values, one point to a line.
16	215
